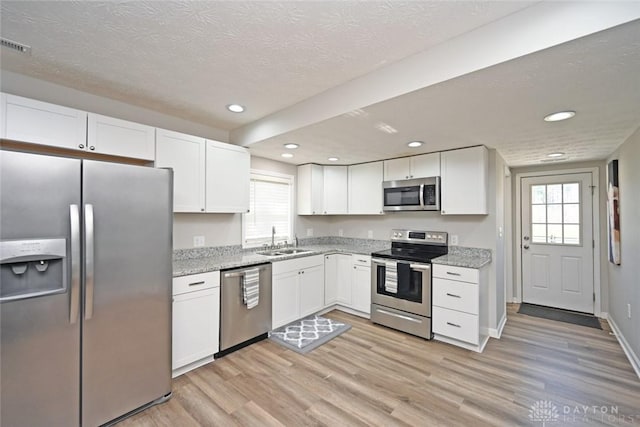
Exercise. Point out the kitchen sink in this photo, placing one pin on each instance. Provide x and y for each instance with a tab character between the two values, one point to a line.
282	252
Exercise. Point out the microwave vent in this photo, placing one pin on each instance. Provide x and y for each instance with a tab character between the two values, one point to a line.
18	47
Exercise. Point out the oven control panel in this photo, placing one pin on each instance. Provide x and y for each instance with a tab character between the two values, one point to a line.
420	237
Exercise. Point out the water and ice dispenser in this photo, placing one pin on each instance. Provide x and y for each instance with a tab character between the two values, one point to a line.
32	268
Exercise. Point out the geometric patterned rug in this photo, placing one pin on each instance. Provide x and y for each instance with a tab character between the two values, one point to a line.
304	335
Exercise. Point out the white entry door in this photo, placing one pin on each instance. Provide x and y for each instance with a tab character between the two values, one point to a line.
557	241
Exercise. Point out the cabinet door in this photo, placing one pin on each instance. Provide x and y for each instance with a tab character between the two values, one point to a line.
196	327
227	178
463	186
336	195
330	279
365	188
311	282
395	169
116	137
310	189
425	165
285	299
343	280
361	288
28	120
185	154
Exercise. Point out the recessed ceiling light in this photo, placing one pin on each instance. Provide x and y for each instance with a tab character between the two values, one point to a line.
287	155
333	159
555	155
291	146
235	108
560	115
414	144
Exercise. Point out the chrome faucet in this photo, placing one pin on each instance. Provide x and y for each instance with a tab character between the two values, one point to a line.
273	236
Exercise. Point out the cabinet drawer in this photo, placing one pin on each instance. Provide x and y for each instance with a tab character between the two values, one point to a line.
457	325
196	282
289	265
363	260
455	295
462	274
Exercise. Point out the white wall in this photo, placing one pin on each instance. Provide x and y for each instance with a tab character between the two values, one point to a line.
624	279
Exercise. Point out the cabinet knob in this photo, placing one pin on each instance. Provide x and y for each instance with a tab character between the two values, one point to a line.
81	146
92	148
201	209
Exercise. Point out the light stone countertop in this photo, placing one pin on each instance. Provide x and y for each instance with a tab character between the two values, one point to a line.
464	257
202	260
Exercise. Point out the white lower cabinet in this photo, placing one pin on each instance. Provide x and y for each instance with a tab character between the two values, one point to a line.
196	321
347	282
337	279
459	314
361	283
311	290
297	289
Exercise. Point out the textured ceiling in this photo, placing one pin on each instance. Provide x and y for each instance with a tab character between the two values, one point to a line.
502	107
190	59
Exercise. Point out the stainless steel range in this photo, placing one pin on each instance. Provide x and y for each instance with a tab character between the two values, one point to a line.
401	281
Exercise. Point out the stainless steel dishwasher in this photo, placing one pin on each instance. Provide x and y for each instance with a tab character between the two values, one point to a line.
240	326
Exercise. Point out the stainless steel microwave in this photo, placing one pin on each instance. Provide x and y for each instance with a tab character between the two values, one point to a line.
421	194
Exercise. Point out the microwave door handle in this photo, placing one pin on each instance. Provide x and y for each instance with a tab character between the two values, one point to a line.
422	196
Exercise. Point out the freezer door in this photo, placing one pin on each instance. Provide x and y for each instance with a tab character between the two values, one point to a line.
126	336
40	333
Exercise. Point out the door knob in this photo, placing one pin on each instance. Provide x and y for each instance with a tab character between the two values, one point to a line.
526	237
526	246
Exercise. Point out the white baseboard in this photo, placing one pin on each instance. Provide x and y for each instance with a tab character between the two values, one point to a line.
633	358
191	366
603	315
497	332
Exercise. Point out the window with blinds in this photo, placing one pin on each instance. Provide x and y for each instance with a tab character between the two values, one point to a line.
270	205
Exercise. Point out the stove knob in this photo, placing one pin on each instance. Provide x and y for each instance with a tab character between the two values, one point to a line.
428	236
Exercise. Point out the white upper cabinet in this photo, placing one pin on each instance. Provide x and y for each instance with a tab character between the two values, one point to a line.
185	154
336	183
425	165
365	188
310	189
463	186
28	120
322	190
421	166
107	135
227	177
395	169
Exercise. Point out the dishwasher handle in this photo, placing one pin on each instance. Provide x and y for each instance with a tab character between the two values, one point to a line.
240	273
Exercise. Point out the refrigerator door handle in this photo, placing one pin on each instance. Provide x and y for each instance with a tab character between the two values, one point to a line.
89	261
74	219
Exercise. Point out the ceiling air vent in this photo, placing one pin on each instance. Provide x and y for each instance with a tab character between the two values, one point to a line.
22	48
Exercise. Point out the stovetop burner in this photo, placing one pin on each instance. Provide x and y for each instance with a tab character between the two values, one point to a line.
416	246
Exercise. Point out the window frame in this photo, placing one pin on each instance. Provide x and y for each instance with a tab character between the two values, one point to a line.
272	176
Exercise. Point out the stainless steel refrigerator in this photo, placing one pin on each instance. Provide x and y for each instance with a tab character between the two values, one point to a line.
85	289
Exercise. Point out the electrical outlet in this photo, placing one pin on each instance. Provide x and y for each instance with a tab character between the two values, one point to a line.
370	234
629	311
309	232
198	241
341	232
454	240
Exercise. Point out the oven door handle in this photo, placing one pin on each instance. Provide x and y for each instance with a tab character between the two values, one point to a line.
421	267
380	261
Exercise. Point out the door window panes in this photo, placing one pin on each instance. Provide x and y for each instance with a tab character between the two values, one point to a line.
555	214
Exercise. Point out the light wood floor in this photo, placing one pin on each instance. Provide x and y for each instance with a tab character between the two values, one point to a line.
372	375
